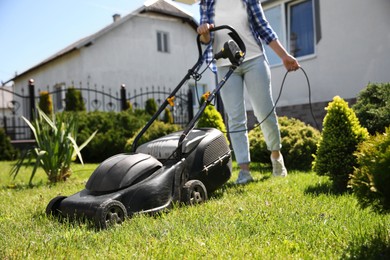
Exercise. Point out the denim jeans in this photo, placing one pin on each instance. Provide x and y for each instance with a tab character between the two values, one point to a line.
255	75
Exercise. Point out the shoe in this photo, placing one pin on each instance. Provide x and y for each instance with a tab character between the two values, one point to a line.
278	168
244	177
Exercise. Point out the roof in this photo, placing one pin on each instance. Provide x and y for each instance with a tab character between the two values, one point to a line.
163	7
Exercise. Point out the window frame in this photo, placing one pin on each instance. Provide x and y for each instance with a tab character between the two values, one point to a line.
163	41
285	23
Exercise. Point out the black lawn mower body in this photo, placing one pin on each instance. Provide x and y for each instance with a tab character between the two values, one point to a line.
182	167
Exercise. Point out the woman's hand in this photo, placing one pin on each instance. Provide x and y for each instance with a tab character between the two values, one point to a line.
204	32
290	63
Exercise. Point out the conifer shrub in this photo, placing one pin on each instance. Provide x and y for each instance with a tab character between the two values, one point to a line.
7	151
372	107
340	137
168	117
156	130
129	106
370	181
212	118
74	100
299	143
46	103
151	106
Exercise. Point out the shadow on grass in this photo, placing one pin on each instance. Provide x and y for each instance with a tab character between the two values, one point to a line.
323	188
374	246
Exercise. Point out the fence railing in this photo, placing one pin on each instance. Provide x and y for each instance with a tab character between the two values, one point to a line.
95	99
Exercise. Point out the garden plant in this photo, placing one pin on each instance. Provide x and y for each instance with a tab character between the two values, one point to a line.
56	146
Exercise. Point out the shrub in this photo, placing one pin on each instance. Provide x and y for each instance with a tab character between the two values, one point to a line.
7	151
211	118
45	103
156	130
168	118
372	107
151	106
339	139
74	100
56	146
371	181
114	128
299	142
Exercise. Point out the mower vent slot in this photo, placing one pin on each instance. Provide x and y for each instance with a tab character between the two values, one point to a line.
215	150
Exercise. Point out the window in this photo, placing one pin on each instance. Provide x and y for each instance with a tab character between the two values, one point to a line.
298	36
301	28
162	42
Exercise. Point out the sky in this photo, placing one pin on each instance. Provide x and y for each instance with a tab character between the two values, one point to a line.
33	30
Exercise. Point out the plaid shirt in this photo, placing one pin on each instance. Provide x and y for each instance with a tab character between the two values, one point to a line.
258	24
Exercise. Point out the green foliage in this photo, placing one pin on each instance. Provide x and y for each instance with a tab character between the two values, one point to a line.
299	142
339	140
56	146
371	181
372	107
45	103
211	118
114	130
156	130
151	106
7	151
129	106
168	117
74	100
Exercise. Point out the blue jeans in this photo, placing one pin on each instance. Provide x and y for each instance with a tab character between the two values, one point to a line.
255	75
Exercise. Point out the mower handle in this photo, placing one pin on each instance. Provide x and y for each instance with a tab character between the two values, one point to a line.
233	34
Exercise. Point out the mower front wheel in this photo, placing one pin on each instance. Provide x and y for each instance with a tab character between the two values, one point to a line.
194	192
53	208
110	213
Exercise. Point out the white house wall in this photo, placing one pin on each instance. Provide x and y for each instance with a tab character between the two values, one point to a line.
126	55
353	51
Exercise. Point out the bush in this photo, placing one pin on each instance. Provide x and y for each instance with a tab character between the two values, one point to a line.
212	118
151	106
7	151
299	142
45	103
74	100
372	107
156	130
114	128
168	118
339	140
371	181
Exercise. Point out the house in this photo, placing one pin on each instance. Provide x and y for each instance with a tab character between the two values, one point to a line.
150	49
341	45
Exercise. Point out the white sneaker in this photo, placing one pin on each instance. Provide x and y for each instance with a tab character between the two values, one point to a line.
278	168
244	177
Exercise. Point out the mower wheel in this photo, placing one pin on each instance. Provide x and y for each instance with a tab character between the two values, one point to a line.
194	192
110	213
53	208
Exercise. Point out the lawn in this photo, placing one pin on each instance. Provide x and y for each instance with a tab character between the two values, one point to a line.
271	218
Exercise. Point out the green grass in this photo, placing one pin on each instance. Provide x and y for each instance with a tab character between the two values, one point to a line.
296	217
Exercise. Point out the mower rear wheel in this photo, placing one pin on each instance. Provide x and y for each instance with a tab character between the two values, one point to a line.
53	208
110	213
194	192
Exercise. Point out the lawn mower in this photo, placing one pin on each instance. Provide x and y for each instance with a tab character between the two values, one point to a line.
182	167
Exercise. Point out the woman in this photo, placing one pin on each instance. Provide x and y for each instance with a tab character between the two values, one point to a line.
247	18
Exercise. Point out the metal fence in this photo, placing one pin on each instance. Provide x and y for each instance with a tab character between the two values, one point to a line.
23	103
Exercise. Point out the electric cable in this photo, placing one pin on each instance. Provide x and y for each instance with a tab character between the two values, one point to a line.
277	100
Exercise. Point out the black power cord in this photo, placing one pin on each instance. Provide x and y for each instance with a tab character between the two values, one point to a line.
277	100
